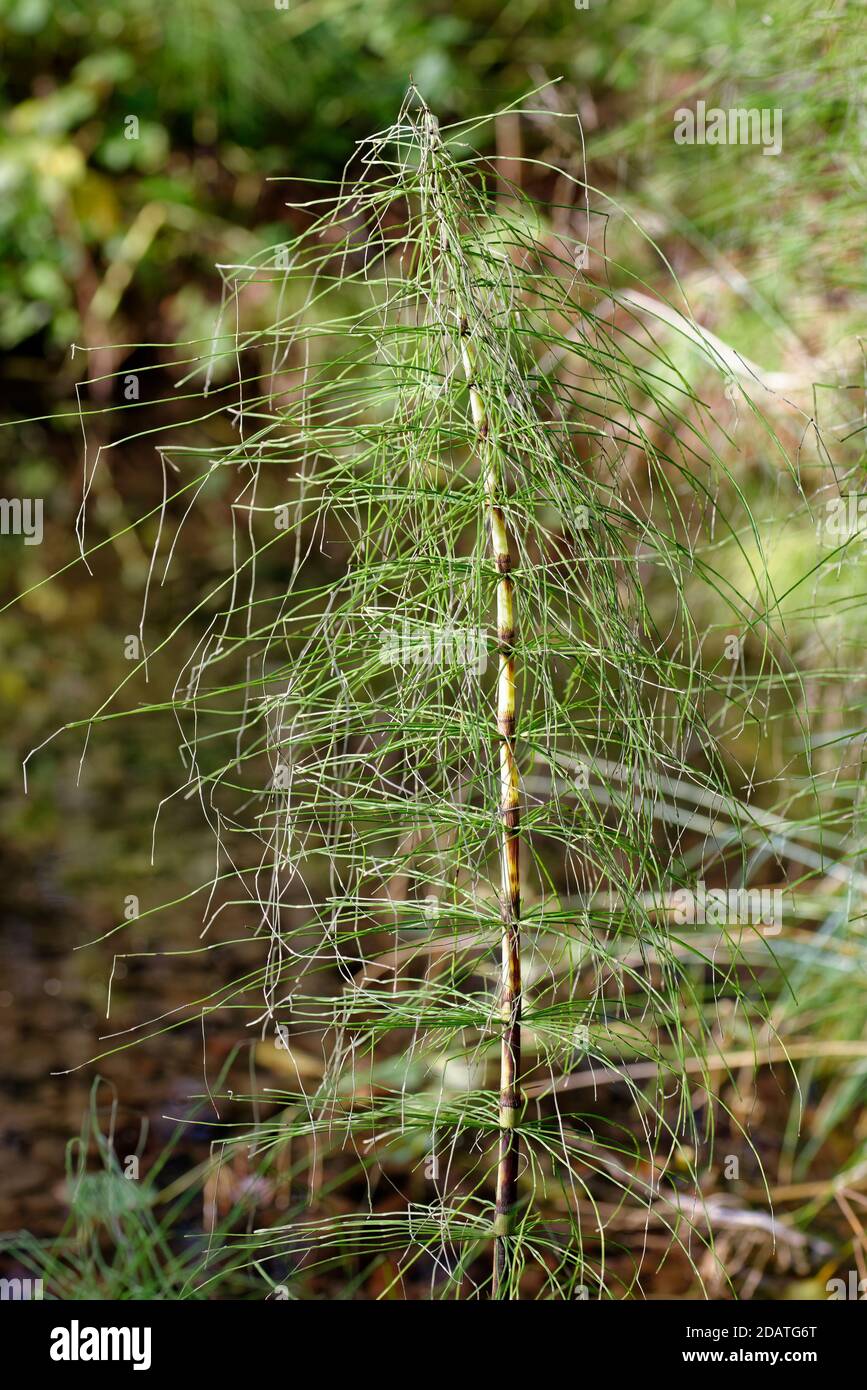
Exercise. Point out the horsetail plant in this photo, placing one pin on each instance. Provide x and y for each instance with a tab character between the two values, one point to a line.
449	415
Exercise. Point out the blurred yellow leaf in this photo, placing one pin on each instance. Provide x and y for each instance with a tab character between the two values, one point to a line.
289	1061
59	163
96	205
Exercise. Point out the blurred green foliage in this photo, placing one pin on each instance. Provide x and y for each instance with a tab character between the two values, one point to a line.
228	92
223	93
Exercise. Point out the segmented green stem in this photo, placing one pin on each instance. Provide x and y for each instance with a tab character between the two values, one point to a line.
510	1046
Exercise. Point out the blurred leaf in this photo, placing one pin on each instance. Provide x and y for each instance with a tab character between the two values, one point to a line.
96	206
53	115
